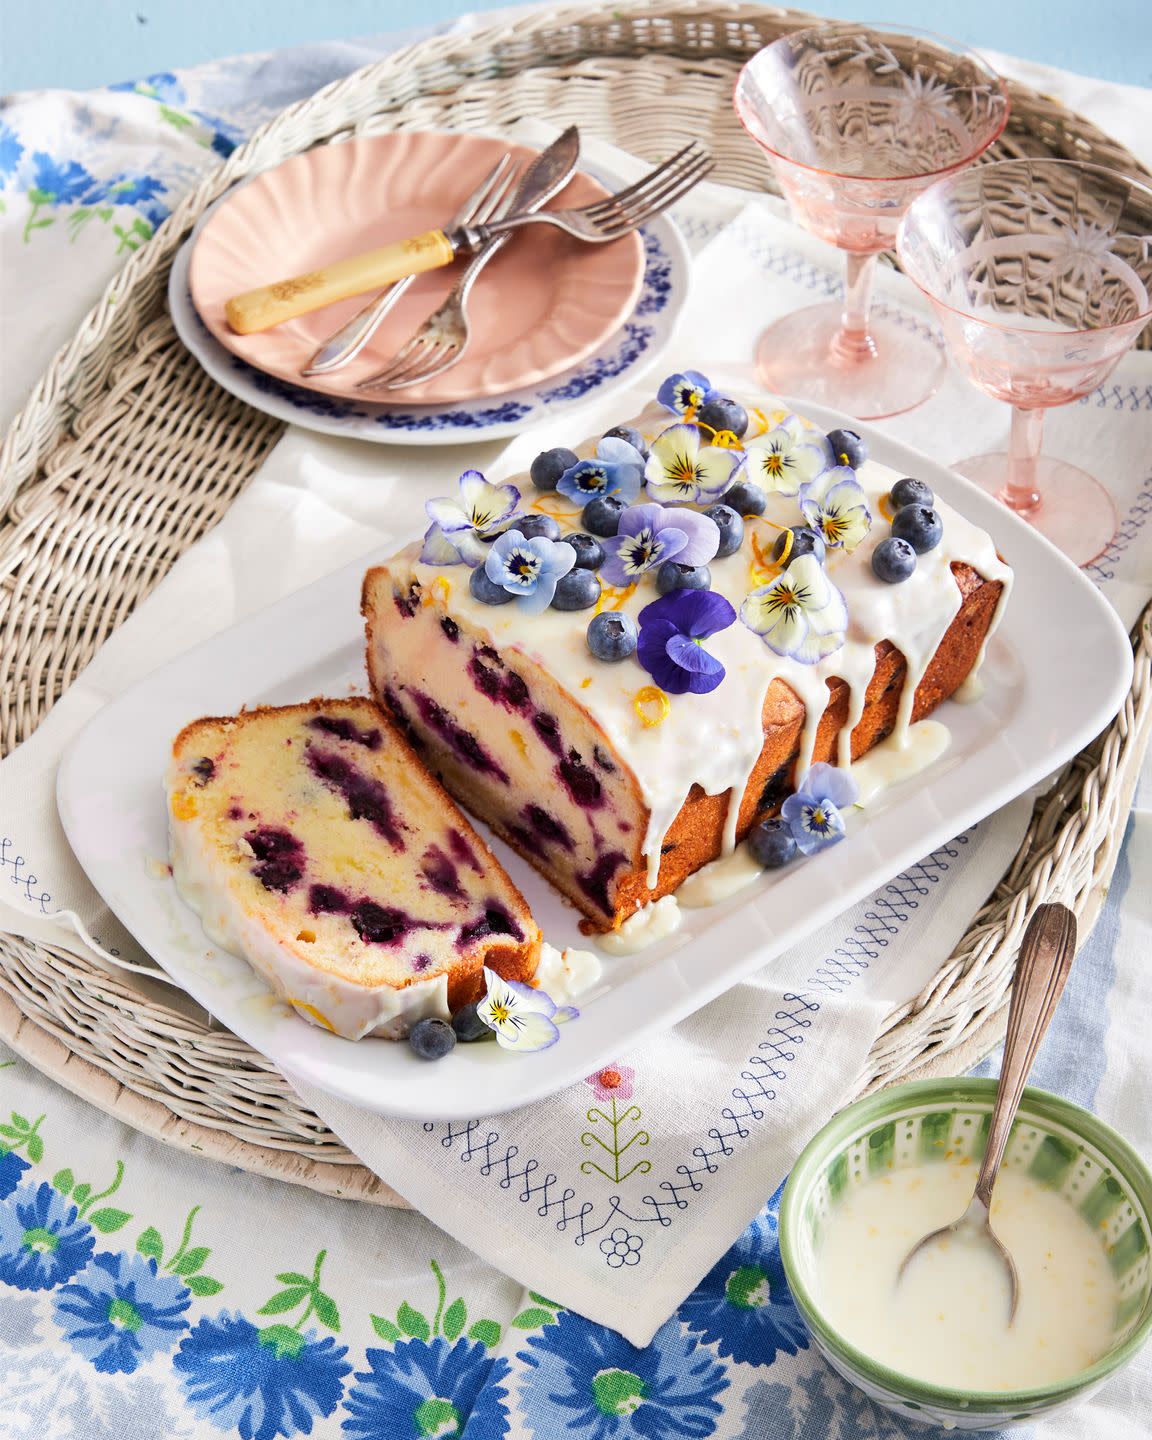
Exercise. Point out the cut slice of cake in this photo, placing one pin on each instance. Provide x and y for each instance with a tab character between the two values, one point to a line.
312	842
613	788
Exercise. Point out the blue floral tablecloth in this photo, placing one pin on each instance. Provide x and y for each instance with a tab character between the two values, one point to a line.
145	1293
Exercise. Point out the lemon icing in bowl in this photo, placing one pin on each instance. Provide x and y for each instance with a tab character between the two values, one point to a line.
1088	1177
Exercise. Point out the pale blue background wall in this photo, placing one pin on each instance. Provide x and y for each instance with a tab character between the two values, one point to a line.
81	43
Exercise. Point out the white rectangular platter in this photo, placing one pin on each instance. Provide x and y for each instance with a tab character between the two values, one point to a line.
1056	673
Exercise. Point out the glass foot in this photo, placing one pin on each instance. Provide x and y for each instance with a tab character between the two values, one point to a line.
1075	512
804	354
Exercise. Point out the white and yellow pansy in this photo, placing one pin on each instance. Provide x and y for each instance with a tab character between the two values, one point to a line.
524	1019
684	469
835	505
800	614
787	457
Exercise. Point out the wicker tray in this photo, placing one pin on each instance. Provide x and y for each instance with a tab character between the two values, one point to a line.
126	452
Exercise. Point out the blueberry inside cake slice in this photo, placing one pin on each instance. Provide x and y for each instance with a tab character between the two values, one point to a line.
311	841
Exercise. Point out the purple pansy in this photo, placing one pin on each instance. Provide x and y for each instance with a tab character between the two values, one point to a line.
529	569
618	469
462	528
672	631
651	534
685	393
813	814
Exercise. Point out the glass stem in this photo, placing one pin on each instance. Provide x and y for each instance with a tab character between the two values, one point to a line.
1021	492
853	344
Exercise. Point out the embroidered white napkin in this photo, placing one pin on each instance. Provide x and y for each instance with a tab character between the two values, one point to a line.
620	1231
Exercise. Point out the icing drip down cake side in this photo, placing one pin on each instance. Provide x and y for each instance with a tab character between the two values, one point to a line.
618	776
311	840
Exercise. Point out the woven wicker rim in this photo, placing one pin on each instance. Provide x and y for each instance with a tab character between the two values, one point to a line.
126	453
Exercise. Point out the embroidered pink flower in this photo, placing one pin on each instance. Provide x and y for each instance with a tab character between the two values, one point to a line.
614	1082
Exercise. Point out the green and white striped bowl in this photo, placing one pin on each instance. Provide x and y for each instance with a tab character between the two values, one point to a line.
1058	1144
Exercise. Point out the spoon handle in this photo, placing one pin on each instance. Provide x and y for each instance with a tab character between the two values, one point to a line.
1041	970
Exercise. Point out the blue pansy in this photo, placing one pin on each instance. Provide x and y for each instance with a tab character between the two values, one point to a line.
263	1383
586	1381
529	569
42	1239
618	469
744	1303
64	182
120	1311
10	150
12	1167
428	1388
684	393
813	814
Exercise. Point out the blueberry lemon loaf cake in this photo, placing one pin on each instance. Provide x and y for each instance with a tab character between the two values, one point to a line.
311	841
625	660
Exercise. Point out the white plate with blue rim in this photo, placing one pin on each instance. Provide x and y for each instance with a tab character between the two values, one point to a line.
620	362
1057	671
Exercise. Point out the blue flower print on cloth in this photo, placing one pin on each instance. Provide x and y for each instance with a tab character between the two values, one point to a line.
683	469
800	614
835	505
120	1311
684	394
650	534
462	527
618	469
813	814
589	1383
529	569
10	151
12	1168
743	1304
263	1383
672	634
425	1388
787	457
64	182
42	1240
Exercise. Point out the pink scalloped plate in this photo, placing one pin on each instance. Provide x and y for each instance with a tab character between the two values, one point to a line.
542	305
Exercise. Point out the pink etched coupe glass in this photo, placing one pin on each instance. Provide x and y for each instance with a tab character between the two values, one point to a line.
1040	272
857	120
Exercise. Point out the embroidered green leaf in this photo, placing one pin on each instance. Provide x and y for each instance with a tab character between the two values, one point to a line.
413	1323
455	1318
175	118
543	1300
40	197
21	1121
284	1300
35	1149
63	1181
203	1284
326	1311
192	1260
293	1277
12	1133
283	1341
108	1219
385	1328
530	1318
151	1244
486	1331
81	1193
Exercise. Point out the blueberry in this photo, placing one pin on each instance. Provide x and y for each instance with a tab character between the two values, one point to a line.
848	448
745	498
673	576
576	591
548	467
589	551
771	844
601	516
485	590
632	436
893	560
723	414
533	526
612	636
919	525
731	528
910	492
468	1025
805	541
432	1038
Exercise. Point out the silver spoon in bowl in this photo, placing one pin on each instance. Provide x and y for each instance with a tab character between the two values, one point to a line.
1041	970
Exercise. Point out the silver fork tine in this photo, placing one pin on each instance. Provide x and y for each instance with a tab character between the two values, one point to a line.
348	341
673	185
640	187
